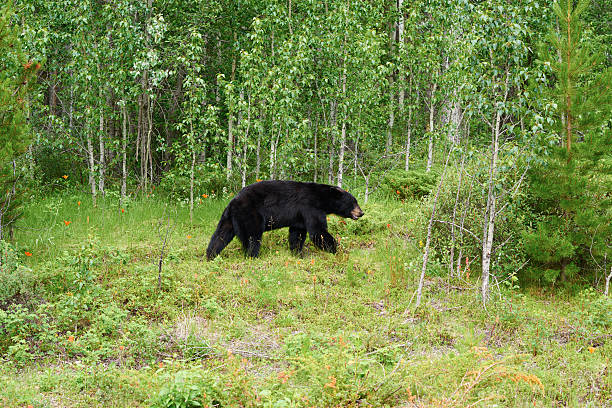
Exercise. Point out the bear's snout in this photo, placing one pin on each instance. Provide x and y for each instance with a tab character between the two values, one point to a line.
356	213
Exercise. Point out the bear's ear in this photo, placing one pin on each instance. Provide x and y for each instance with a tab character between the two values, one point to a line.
339	189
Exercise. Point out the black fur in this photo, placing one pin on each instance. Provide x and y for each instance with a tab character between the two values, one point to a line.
273	204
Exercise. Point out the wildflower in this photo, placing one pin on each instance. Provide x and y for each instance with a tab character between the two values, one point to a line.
188	236
389	226
258	180
65	177
591	349
397	191
37	65
27	65
67	222
122	210
121	347
283	377
161	364
78	203
411	220
28	253
421	244
204	195
70	339
331	383
312	261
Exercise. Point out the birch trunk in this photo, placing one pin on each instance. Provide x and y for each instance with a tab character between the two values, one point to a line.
316	153
102	163
408	136
91	164
344	119
431	128
230	124
332	114
191	180
487	241
453	242
390	124
429	229
489	228
245	143
123	154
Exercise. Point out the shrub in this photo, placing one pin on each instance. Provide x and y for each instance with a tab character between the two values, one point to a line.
18	282
410	184
208	179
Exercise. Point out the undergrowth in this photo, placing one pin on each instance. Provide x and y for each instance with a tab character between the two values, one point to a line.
87	319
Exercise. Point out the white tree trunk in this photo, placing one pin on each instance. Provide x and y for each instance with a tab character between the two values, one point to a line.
487	241
489	228
453	242
429	229
123	154
344	119
91	164
400	40
102	162
390	124
245	142
431	127
333	117
191	180
408	136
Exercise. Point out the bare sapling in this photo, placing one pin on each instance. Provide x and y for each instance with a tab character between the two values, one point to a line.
429	229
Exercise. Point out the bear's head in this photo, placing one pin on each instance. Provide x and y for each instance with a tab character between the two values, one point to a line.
344	204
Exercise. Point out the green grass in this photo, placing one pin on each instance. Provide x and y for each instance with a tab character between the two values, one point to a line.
319	330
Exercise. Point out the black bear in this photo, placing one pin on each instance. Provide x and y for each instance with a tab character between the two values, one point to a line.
273	204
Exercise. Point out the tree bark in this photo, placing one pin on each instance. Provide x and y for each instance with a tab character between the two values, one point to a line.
91	164
453	242
408	136
489	229
123	153
333	114
102	147
429	229
230	124
344	119
431	127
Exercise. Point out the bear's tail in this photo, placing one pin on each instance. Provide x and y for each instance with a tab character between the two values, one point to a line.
222	236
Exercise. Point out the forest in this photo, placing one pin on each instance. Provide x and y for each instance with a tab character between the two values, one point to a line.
475	135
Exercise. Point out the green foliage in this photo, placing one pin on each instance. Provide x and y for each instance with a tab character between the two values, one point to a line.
408	185
571	234
18	281
209	180
16	73
180	392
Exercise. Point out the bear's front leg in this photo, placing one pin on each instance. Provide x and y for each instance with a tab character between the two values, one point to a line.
317	229
297	236
323	240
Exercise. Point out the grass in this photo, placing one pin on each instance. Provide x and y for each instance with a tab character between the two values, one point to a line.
319	330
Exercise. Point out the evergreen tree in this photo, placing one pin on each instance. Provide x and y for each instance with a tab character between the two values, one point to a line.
569	188
15	75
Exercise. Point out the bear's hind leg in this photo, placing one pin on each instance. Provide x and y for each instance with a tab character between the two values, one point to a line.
297	236
249	229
